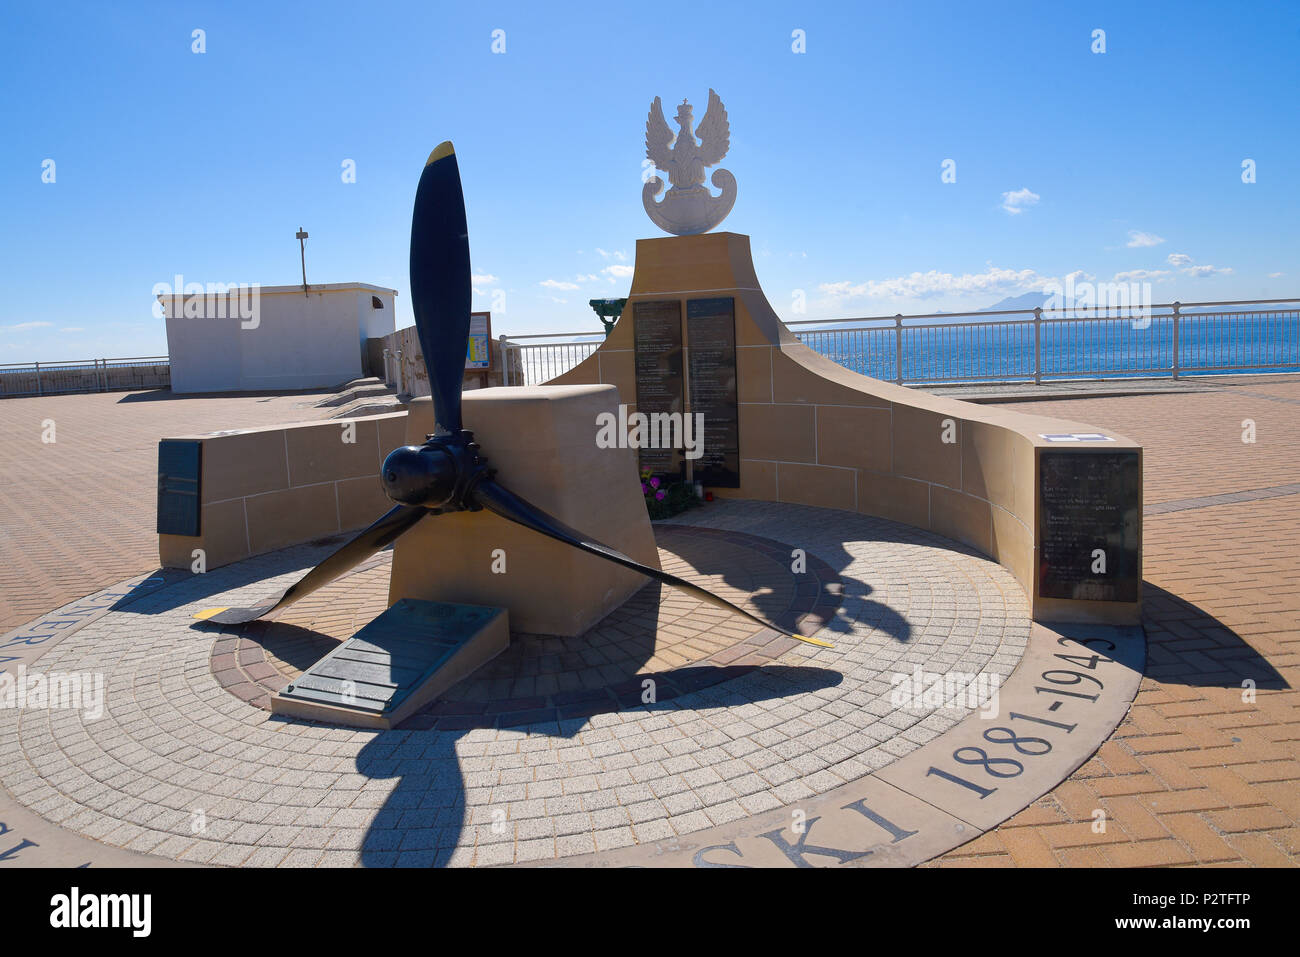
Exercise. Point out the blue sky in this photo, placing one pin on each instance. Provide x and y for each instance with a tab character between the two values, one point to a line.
169	161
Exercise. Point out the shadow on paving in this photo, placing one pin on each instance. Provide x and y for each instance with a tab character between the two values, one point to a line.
1186	645
296	646
228	577
166	395
424	819
707	558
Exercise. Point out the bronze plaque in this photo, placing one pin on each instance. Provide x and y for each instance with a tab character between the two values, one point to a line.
1089	525
711	341
657	332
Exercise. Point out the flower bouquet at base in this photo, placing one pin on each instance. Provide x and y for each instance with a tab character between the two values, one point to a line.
663	499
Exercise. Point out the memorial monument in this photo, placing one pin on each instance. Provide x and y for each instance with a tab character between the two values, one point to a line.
1057	503
446	475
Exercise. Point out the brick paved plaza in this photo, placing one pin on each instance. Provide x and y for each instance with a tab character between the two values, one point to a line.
1196	773
79	513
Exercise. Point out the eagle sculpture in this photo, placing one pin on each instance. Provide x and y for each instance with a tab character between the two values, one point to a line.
688	207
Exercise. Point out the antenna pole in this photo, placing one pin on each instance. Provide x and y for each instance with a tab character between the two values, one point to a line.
301	235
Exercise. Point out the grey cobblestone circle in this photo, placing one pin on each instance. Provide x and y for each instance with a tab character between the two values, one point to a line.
180	768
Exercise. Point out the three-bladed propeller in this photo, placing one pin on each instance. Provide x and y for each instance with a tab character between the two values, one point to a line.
447	473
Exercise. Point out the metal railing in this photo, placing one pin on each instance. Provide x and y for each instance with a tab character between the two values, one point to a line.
536	362
87	375
1025	345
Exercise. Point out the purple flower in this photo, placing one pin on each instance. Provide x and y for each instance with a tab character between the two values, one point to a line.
654	483
660	495
645	489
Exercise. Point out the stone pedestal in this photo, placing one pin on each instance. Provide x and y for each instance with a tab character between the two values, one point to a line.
542	441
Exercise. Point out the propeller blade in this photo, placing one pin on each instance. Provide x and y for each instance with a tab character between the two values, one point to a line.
379	535
440	289
495	497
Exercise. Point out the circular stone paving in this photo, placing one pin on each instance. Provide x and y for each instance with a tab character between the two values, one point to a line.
547	752
680	642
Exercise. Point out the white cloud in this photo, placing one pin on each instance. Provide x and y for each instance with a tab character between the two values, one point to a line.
621	272
589	277
1017	201
24	326
601	253
1275	275
930	284
482	279
1139	240
558	284
1188	267
73	329
620	255
1141	275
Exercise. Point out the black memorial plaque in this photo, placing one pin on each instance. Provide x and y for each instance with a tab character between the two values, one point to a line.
657	332
711	338
1088	501
180	487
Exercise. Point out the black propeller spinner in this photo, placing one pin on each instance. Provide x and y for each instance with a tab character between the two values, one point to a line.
447	473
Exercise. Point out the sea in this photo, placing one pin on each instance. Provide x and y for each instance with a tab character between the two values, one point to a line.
1215	343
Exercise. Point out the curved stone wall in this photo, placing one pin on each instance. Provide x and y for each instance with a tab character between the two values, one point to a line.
813	432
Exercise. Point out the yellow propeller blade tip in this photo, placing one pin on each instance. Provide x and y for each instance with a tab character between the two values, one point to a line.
813	641
207	613
442	149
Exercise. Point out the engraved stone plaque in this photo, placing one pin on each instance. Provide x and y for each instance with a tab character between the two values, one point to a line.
1088	525
711	346
397	664
657	332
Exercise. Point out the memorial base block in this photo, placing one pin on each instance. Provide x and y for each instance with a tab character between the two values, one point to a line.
542	441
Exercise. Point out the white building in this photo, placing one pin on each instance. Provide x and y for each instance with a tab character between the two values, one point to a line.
260	338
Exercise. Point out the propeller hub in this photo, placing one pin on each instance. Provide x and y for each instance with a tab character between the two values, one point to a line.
437	475
419	475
